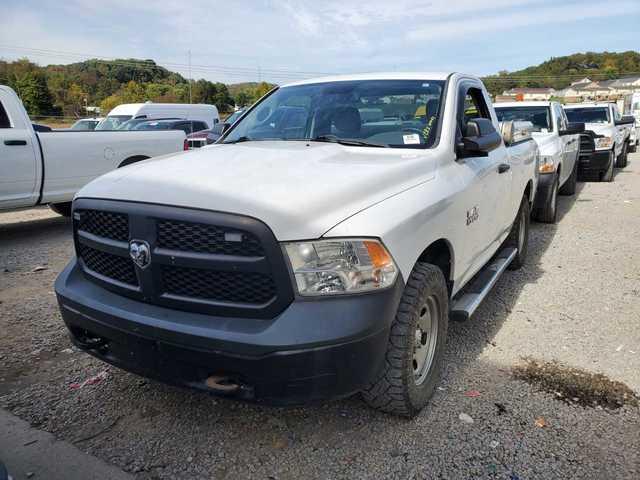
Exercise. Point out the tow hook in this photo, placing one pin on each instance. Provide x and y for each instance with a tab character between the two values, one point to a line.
222	384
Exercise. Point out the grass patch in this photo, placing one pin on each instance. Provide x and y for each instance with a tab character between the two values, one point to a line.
574	385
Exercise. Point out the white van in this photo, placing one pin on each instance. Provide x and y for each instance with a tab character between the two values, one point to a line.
150	110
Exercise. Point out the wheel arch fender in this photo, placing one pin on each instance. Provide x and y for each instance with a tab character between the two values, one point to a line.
441	254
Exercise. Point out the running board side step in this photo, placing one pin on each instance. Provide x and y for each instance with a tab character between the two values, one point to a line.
472	295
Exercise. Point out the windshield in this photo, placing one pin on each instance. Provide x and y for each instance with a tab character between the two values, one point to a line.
588	115
394	113
112	122
539	116
233	117
153	126
84	125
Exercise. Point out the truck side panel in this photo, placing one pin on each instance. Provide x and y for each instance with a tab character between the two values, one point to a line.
73	159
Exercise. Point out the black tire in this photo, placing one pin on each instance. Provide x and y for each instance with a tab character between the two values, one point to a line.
549	212
632	147
396	388
621	161
63	209
608	175
569	187
519	236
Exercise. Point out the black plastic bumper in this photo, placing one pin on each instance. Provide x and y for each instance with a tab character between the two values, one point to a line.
316	349
596	162
544	190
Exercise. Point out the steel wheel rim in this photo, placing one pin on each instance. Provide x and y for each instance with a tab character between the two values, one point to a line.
425	339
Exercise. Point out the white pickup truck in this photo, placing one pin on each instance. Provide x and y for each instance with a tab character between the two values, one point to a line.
612	132
39	168
559	143
318	250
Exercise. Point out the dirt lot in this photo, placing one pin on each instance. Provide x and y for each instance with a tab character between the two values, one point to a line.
577	301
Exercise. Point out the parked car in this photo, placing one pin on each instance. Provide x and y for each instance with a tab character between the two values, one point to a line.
48	167
122	113
314	251
612	131
207	137
86	123
187	126
559	143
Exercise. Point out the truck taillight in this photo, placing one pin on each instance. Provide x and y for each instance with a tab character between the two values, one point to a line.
186	144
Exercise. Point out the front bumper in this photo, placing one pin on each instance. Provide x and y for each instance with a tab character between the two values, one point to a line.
597	161
316	349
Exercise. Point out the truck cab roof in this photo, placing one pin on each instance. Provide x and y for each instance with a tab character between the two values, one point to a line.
375	76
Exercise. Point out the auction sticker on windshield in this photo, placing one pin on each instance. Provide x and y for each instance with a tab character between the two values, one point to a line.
411	139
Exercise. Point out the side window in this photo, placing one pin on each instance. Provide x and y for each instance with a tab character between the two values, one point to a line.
560	119
616	112
474	106
4	118
186	127
197	126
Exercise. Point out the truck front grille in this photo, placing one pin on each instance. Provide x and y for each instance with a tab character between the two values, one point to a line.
111	266
207	262
253	288
105	224
201	238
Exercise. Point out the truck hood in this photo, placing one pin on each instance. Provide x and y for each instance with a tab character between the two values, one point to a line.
548	143
299	189
600	128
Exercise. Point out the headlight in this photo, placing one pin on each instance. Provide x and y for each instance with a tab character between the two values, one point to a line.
604	142
547	164
329	267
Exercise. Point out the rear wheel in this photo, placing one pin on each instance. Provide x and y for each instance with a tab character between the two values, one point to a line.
549	212
569	187
519	236
63	209
621	161
413	360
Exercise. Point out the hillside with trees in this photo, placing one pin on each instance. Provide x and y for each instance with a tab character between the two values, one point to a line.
64	90
559	72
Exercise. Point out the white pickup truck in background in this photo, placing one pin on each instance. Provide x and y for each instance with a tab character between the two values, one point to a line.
559	143
39	168
612	131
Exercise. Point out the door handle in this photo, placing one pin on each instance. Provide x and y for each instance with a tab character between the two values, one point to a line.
14	143
503	167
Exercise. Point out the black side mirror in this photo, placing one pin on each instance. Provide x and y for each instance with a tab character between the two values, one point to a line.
626	120
572	129
478	139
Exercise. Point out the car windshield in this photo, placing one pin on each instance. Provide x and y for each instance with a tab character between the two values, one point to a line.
588	115
112	122
540	116
388	113
153	126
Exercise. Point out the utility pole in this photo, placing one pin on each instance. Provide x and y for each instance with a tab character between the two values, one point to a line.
189	76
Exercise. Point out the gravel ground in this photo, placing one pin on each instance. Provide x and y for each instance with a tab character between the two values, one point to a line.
577	301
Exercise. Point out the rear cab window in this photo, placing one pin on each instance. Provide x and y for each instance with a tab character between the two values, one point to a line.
5	122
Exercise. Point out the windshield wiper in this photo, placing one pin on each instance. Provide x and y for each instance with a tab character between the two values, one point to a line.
346	141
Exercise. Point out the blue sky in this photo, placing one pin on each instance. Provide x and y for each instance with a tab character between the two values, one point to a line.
283	40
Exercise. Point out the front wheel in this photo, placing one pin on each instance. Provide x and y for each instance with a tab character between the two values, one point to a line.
63	209
608	175
569	187
621	162
519	236
548	213
415	351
